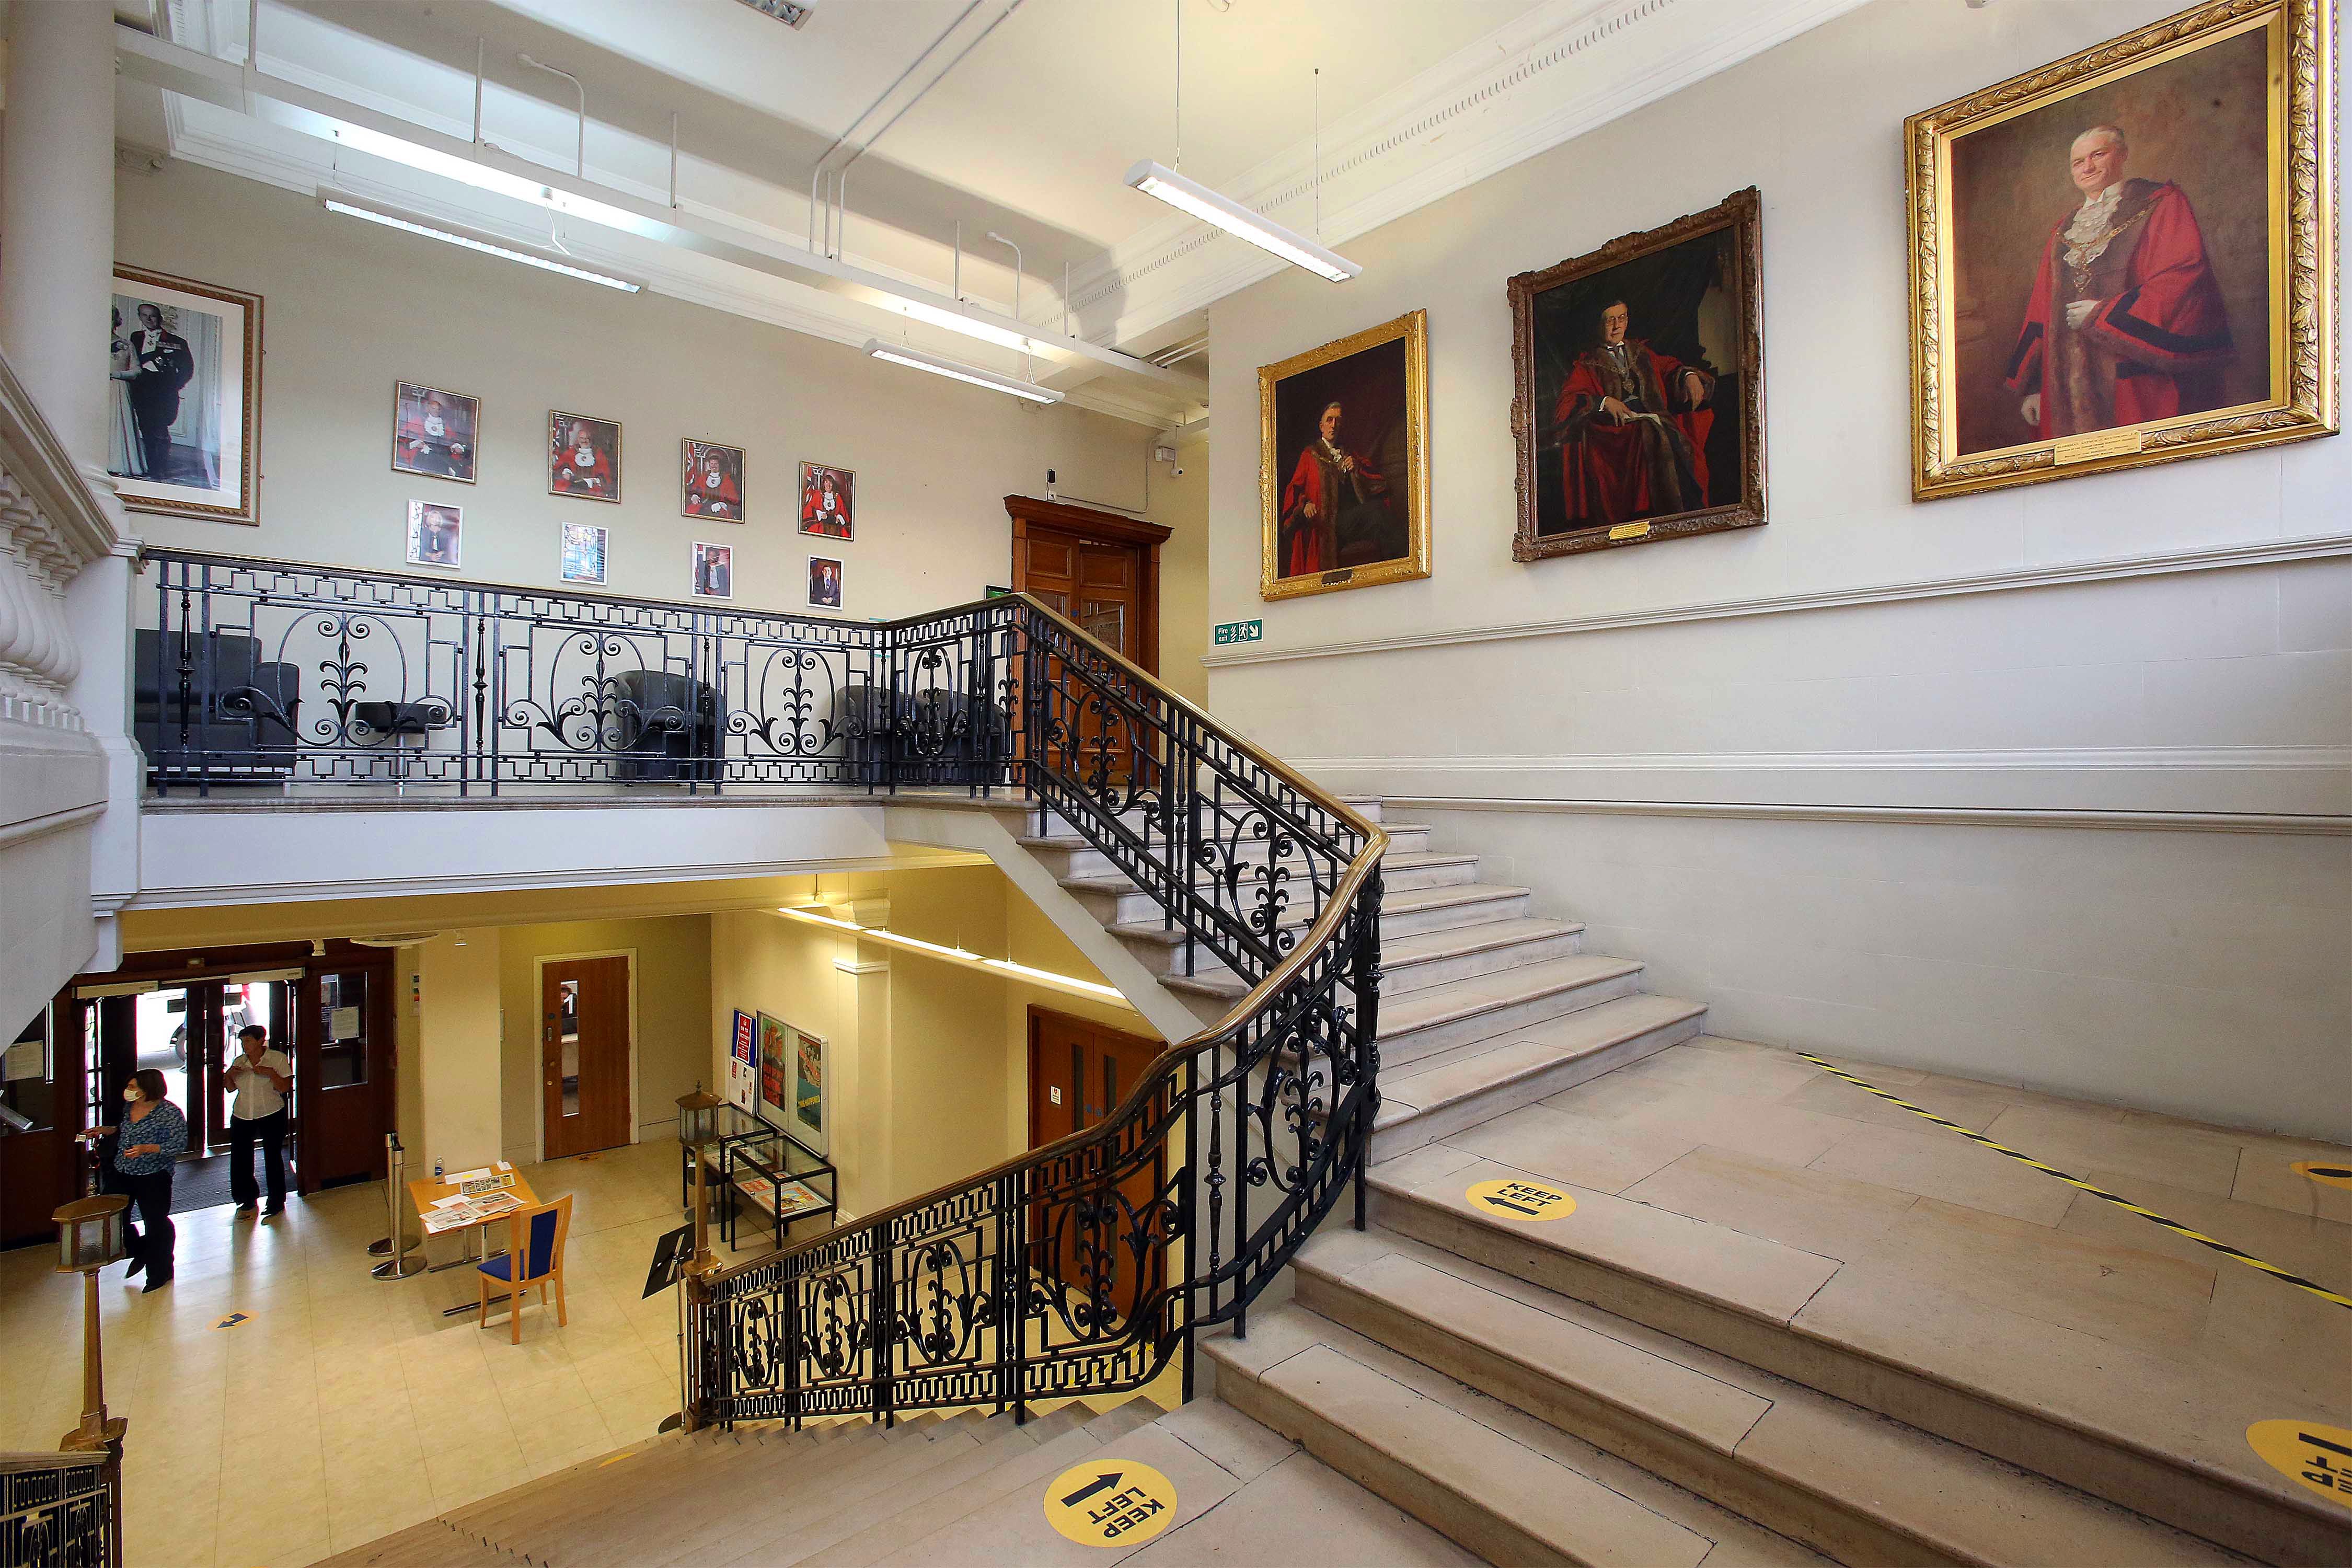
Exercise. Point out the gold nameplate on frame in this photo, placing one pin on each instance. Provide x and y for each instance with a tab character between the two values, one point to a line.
2096	444
1629	530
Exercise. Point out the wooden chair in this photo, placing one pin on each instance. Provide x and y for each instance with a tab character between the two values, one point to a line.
538	1263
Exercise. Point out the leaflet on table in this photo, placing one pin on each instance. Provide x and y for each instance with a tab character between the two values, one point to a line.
453	1214
787	1198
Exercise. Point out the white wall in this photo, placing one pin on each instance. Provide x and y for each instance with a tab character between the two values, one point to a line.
1861	651
349	308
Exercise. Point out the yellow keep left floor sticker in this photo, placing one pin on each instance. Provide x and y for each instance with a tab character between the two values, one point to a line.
1524	1200
1108	1501
2334	1175
2318	1457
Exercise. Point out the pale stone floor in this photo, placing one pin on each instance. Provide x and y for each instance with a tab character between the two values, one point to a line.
347	1407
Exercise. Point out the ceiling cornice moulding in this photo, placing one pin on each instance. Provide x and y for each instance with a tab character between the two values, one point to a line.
1564	69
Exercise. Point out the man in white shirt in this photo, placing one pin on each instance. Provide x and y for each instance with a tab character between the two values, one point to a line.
258	1078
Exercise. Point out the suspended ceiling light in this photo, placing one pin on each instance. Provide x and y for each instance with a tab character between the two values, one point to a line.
956	322
888	938
956	370
334	201
1190	196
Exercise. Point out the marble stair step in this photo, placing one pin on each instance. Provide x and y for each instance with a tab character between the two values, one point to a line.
1070	855
1443	1094
1161	951
1421	1023
1417	963
1116	900
1507	1486
2161	1437
1854	1486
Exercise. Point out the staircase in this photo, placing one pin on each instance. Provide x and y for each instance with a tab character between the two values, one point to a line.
1483	1006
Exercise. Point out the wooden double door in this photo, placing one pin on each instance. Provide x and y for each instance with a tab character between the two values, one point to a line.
1078	1074
1102	571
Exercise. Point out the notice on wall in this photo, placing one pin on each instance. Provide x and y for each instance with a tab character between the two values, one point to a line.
743	1063
343	1024
26	1060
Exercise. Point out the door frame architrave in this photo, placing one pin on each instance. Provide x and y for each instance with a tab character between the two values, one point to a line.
1029	512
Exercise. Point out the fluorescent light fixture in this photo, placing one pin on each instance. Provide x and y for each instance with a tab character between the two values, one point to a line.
1188	196
956	321
349	208
1005	966
956	370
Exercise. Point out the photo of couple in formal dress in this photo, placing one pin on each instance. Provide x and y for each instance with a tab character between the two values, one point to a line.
182	368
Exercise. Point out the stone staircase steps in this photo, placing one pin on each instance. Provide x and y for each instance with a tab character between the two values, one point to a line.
1423	1024
1434	1096
1505	1486
2159	1439
1854	1486
1115	899
1066	854
1411	963
1161	951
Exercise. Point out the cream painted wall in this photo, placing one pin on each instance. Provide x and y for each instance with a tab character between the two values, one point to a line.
1181	502
457	1051
2206	973
672	974
349	308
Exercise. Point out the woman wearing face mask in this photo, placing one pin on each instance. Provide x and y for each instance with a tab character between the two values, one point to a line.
152	1137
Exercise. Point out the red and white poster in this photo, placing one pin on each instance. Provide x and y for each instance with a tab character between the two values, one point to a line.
742	1064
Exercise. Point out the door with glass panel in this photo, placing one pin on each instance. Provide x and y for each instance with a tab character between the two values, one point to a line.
1100	572
584	1027
343	1054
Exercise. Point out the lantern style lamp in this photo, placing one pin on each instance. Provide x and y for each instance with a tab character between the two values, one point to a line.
90	1236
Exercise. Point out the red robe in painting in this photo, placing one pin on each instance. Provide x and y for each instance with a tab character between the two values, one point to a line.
590	476
2156	344
1310	544
1653	465
721	497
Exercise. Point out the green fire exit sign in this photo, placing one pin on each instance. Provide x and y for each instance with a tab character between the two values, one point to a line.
1240	631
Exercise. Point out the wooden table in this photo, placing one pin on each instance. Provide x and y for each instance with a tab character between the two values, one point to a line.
425	1192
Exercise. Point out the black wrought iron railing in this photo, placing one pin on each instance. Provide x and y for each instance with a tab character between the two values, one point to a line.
58	1511
1086	1266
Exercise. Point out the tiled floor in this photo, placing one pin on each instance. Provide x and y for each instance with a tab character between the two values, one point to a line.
346	1406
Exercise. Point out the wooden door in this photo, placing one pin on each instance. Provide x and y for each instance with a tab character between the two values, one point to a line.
585	1054
1103	572
343	1095
1078	1074
41	1083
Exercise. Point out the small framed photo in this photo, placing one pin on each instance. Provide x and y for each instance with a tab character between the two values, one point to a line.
583	457
436	534
714	570
828	496
433	432
185	364
584	554
711	480
824	582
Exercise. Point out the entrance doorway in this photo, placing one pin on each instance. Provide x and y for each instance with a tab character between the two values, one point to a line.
1102	571
1078	1074
587	1053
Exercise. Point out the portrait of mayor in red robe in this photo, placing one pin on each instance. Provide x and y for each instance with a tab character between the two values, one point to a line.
2126	321
1632	424
1336	509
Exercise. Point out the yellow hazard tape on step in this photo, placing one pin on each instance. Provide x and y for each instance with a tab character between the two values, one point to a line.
2198	1237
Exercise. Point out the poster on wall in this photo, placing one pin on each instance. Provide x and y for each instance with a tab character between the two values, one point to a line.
1343	466
808	1090
1638	397
743	1064
775	1070
583	552
2113	258
185	367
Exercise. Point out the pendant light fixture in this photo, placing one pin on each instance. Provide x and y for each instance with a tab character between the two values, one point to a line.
1212	208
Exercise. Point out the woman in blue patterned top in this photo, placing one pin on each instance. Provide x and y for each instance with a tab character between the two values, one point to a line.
147	1145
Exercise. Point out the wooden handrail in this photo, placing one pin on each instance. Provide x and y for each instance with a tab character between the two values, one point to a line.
1335	909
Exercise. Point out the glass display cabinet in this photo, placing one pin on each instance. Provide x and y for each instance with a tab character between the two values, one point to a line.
761	1175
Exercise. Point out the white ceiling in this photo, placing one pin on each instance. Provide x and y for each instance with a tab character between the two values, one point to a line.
1028	134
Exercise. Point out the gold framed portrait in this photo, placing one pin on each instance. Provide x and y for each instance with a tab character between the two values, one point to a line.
2129	256
1343	462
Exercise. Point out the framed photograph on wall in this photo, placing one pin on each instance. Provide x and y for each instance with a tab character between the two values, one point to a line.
583	457
714	570
808	1090
584	554
776	1069
184	417
436	534
824	582
1343	462
433	432
2127	257
1638	386
828	495
711	480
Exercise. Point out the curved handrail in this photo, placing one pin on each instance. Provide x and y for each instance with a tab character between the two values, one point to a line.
1318	934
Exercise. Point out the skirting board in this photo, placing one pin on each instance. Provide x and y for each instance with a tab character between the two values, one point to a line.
1961	817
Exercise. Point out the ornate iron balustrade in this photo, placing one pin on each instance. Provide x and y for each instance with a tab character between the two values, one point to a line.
1088	1265
58	1511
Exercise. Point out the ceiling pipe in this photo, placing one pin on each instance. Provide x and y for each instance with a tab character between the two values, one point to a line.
579	149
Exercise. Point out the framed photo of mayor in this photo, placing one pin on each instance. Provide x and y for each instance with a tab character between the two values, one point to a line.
184	369
583	457
710	481
433	432
435	535
2127	257
1638	401
1343	462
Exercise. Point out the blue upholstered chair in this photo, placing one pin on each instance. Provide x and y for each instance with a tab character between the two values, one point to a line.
534	1255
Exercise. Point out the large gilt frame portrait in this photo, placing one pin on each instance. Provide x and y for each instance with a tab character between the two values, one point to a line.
2062	326
1343	462
1637	398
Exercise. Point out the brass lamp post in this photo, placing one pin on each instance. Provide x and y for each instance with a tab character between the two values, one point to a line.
698	1128
90	1236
